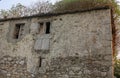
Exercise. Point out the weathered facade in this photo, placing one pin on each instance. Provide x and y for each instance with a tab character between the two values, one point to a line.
66	45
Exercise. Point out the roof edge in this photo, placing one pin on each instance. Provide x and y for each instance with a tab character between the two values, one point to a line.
55	14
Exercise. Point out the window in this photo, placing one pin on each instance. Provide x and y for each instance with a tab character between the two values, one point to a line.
41	28
43	42
44	28
18	31
40	61
47	27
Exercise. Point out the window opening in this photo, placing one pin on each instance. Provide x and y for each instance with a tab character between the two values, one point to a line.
41	28
18	31
40	62
47	27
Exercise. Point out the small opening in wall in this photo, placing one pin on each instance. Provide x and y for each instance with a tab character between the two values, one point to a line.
17	31
60	19
47	27
40	62
41	24
41	28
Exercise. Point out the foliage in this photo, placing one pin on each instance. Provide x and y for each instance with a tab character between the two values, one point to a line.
117	68
3	13
116	59
20	10
68	5
16	11
41	7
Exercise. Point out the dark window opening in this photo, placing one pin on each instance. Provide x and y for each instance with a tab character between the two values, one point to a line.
18	29
47	27
41	28
40	62
41	24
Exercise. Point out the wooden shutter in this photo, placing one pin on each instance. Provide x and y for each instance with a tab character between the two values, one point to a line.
42	44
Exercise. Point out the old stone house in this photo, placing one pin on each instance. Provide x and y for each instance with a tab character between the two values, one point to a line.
57	45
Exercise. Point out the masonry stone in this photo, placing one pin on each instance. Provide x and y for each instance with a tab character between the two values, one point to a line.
77	45
34	28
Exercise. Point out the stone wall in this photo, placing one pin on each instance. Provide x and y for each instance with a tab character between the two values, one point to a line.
14	67
77	67
78	46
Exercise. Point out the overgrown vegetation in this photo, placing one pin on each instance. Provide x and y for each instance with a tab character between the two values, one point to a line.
70	5
20	10
117	68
